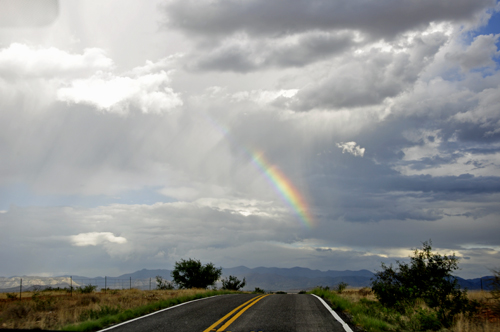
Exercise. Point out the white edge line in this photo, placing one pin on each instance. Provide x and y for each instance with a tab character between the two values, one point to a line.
337	317
154	313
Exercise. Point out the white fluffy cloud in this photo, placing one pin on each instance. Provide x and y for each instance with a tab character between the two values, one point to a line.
22	61
479	54
96	238
87	78
105	91
352	148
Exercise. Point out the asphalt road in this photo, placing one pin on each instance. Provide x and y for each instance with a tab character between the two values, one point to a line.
240	312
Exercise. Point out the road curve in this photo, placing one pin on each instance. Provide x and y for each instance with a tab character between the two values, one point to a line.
240	312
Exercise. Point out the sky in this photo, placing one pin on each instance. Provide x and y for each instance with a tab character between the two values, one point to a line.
326	134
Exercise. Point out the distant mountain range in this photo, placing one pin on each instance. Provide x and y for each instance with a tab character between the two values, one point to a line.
268	278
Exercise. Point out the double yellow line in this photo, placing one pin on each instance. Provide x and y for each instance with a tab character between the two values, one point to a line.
243	308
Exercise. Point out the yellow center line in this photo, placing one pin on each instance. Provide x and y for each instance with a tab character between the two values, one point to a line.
229	322
212	327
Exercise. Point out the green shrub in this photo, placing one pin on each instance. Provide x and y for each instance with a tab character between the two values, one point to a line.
86	289
341	287
259	291
11	296
428	320
427	277
302	292
280	292
233	283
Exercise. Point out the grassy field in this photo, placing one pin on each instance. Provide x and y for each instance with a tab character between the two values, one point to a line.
56	310
365	312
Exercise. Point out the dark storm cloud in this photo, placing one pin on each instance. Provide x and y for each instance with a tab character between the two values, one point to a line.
247	55
369	78
370	195
383	18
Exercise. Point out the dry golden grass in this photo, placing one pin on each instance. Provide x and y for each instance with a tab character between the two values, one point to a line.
24	295
52	310
464	324
485	321
355	294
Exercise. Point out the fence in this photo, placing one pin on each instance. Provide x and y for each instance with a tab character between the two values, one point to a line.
29	284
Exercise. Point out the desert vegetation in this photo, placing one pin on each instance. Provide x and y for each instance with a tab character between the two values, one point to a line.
84	309
57	309
421	295
365	311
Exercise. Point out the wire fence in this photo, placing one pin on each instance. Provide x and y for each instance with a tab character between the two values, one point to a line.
18	285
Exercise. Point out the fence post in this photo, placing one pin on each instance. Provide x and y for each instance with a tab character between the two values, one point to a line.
130	283
481	283
149	283
20	289
71	285
105	284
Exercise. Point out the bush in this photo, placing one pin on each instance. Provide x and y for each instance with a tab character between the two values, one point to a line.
162	284
259	291
191	274
233	283
427	277
11	296
86	289
302	292
341	287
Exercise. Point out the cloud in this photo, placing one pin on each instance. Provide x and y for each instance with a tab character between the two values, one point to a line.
260	17
113	93
246	36
240	53
24	13
352	148
161	234
371	74
22	61
96	238
86	78
479	54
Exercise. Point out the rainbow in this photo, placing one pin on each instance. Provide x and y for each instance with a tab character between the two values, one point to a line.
284	187
281	184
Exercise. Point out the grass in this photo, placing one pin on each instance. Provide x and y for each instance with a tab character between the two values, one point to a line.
88	312
368	314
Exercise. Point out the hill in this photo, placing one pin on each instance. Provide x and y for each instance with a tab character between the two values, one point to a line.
268	278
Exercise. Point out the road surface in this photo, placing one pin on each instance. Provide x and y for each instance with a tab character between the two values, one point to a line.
240	312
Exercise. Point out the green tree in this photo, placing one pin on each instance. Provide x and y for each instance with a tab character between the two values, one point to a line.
428	277
233	283
192	274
